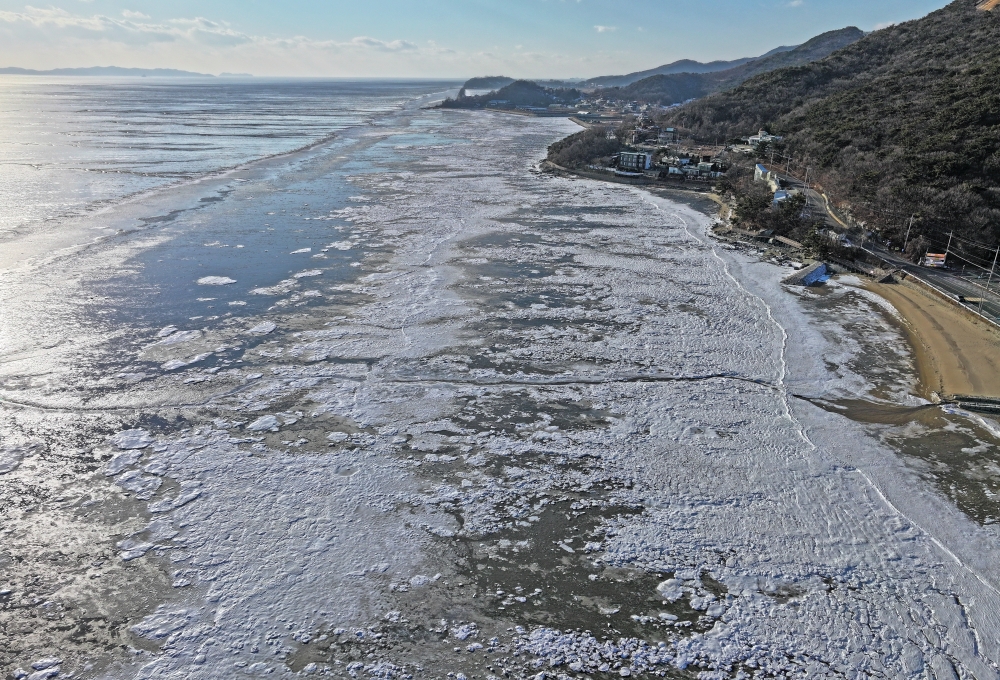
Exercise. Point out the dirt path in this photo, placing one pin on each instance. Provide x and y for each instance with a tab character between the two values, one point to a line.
955	353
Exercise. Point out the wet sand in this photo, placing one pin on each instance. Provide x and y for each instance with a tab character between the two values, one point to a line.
955	354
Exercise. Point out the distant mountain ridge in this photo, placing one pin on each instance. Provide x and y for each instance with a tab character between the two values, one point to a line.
680	87
681	66
105	71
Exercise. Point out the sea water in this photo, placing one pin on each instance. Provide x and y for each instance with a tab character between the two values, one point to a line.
399	404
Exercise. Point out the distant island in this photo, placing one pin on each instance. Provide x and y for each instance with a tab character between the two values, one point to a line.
111	71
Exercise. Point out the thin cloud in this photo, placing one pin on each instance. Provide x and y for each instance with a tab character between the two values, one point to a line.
134	30
605	29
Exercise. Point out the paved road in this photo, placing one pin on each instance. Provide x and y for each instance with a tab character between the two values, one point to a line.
952	284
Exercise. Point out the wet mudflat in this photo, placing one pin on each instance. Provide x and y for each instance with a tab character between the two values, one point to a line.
454	417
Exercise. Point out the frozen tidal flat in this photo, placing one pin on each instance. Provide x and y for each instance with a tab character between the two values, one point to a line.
544	429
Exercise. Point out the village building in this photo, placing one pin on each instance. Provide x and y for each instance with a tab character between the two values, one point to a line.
763	137
635	161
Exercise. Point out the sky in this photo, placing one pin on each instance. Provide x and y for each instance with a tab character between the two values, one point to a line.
421	38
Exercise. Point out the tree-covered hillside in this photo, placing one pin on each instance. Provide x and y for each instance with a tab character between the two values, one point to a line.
906	120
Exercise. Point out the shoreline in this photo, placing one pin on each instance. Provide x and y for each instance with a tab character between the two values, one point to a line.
954	354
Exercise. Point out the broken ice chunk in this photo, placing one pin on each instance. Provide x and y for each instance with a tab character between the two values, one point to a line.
132	439
160	625
179	337
189	491
264	423
465	631
263	328
160	530
311	272
670	590
143	487
215	281
10	459
133	549
122	461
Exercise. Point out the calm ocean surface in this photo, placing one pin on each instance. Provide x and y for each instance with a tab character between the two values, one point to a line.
70	144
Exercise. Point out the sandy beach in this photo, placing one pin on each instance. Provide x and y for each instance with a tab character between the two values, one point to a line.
955	353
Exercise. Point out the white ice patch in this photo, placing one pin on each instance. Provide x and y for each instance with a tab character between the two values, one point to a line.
121	461
465	631
341	245
132	549
301	250
164	332
142	486
263	328
280	288
161	624
10	459
174	364
179	337
132	439
215	281
264	423
308	273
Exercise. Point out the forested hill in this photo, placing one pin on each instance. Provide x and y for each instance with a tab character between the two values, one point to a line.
679	87
905	120
518	93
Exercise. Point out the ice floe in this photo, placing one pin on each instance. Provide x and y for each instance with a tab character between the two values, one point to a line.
263	328
215	281
132	439
265	423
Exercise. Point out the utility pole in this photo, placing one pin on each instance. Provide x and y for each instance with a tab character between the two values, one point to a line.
948	247
907	239
990	280
807	177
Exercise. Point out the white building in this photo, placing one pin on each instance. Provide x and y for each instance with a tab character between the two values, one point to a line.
762	137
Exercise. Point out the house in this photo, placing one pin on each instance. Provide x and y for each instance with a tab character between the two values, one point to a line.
668	136
635	161
763	137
